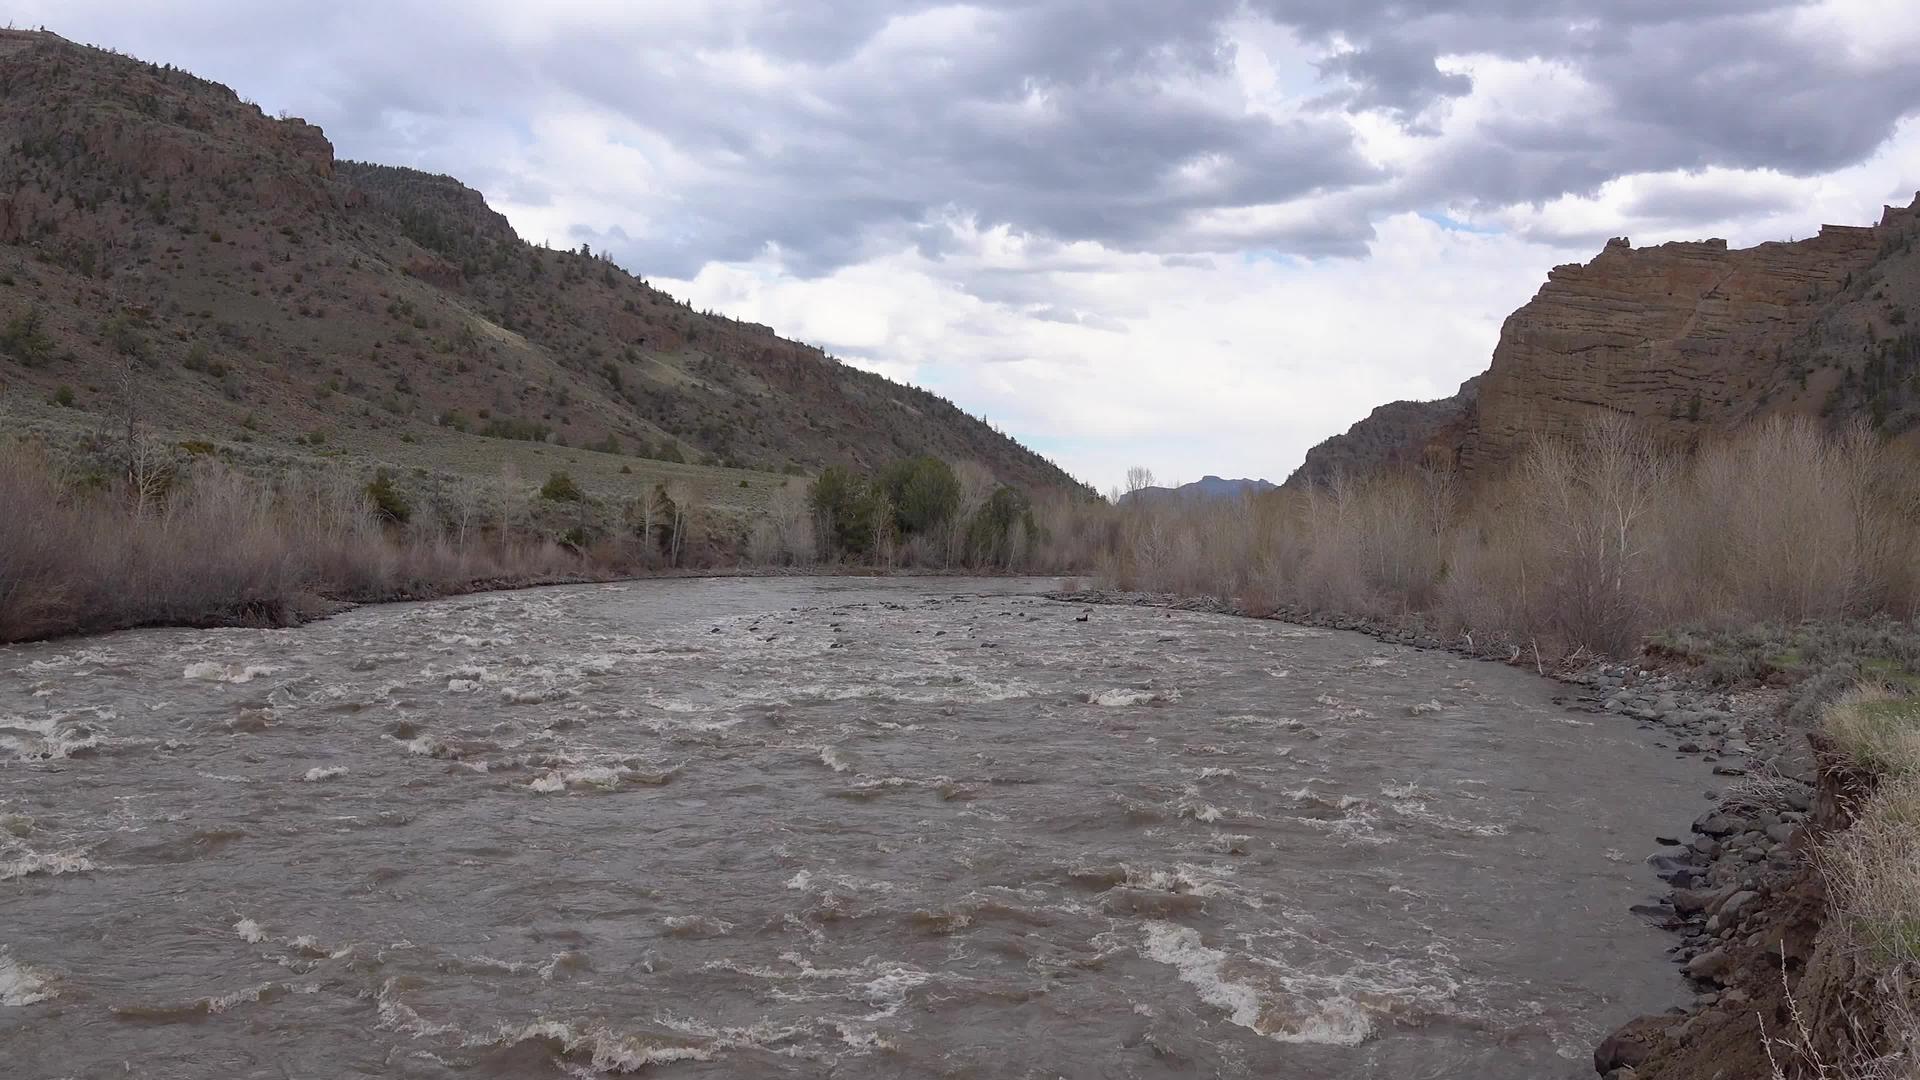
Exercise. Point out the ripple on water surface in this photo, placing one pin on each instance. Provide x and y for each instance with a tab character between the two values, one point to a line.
767	828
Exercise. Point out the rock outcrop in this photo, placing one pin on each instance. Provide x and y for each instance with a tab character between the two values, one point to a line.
1399	433
1690	339
1683	336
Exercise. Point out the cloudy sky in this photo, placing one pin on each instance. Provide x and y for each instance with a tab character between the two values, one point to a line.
1200	235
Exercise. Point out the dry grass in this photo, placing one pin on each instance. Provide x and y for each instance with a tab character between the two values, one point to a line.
1872	872
217	547
1587	544
1878	729
113	537
1881	1047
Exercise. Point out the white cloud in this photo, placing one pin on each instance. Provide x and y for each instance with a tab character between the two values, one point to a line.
1233	366
1104	224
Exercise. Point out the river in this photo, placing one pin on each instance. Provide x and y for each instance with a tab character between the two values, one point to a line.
800	827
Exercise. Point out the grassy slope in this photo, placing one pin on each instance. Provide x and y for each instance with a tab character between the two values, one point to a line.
218	269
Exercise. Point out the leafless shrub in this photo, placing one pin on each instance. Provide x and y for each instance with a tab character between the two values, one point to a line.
784	535
215	546
1788	523
1587	543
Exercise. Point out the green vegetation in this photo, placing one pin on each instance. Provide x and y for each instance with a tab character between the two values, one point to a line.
925	510
1877	729
25	339
1821	660
388	504
1873	867
923	492
561	488
506	427
849	507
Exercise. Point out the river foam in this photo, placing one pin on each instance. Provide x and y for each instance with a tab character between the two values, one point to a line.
806	827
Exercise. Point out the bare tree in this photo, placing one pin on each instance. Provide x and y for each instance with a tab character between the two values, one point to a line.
1139	478
976	487
681	494
646	511
1597	499
784	534
512	492
149	473
467	503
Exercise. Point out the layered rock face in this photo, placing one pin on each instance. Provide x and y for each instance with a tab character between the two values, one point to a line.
1690	339
1682	336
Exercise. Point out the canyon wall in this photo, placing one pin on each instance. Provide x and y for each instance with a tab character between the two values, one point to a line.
1691	339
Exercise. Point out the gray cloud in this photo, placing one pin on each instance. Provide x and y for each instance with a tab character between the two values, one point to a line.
1068	120
1687	204
1395	74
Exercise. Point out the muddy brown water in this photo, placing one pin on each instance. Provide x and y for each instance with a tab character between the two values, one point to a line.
771	828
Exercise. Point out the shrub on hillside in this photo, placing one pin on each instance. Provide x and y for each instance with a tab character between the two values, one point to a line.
561	488
850	510
388	504
924	493
1002	530
25	339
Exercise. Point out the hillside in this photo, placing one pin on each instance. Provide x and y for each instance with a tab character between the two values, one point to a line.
1397	433
1692	339
168	249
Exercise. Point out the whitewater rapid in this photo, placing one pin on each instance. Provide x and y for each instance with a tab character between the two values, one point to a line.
787	827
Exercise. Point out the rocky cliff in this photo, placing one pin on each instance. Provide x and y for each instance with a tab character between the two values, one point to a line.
1397	434
169	250
1691	339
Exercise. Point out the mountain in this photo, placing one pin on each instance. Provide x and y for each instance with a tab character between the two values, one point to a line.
1692	339
1207	487
169	249
1397	433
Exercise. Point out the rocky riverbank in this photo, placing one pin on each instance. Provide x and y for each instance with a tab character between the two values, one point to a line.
1741	896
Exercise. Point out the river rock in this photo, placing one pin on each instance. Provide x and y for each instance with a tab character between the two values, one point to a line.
1680	861
1628	1047
1710	966
1718	824
1730	907
1695	901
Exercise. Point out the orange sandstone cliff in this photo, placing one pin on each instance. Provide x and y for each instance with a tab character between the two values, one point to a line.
1691	339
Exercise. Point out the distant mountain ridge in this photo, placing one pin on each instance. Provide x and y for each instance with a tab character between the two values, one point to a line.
1692	340
1207	487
